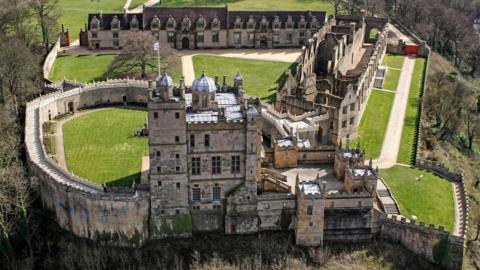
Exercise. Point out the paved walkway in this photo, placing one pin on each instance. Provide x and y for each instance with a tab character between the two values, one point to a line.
393	136
280	55
60	150
139	9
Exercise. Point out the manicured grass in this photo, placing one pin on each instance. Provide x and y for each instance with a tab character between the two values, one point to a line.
430	198
406	151
391	79
75	12
321	5
136	3
100	146
373	125
393	60
260	77
84	68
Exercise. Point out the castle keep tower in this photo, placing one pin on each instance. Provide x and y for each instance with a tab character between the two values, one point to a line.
170	213
204	143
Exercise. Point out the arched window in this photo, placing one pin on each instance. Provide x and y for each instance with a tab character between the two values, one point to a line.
289	23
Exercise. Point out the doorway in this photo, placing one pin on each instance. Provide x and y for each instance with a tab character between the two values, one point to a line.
263	43
70	107
185	43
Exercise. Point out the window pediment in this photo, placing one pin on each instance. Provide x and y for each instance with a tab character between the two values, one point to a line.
215	22
251	23
186	23
238	22
134	22
302	23
155	24
289	23
276	23
115	24
94	23
171	23
201	22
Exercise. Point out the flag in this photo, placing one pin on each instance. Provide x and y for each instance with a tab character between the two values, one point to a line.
156	46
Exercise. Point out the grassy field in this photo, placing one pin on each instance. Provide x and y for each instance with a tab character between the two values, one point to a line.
136	3
100	146
260	77
405	153
88	68
391	79
393	60
75	12
430	198
322	5
373	125
84	68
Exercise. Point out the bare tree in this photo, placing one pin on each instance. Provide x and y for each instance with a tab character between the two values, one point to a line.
48	13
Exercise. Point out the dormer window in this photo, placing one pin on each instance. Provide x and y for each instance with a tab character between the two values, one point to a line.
264	24
134	22
238	22
94	23
115	23
186	24
302	23
251	23
289	23
314	23
155	25
201	22
215	22
171	22
276	23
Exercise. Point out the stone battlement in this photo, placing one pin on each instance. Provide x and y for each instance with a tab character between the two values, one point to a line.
349	195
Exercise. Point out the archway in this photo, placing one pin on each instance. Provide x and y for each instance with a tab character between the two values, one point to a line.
263	43
185	43
70	107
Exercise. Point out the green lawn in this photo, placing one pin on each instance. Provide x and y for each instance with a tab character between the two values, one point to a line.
88	68
84	68
75	12
405	154
391	79
136	3
100	146
430	199
373	125
260	77
322	5
393	60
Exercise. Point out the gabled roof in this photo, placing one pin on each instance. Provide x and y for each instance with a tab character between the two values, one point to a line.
125	19
283	16
178	14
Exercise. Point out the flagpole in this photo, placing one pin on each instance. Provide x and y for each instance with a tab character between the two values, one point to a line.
158	57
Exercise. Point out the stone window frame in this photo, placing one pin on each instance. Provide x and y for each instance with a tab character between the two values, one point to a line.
201	23
116	43
170	36
344	123
302	24
95	23
289	38
155	23
314	23
192	140
239	41
251	40
352	120
264	24
200	37
215	36
289	24
215	23
134	23
177	115
115	23
216	193
177	139
186	24
251	23
115	34
216	165
155	115
238	24
206	140
276	38
309	210
277	24
235	166
171	23
94	35
196	166
196	195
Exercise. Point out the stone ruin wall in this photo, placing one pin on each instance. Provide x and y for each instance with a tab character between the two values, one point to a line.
117	217
423	240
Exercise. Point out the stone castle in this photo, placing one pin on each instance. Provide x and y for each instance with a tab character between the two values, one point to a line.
220	161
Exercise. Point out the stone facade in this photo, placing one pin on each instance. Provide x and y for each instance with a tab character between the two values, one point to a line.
335	76
209	27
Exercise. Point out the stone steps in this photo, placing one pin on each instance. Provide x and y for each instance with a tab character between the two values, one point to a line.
383	192
391	209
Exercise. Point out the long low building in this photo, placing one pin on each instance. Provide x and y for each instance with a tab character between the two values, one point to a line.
202	28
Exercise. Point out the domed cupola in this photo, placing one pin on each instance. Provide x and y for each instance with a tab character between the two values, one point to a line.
204	84
164	80
164	86
251	113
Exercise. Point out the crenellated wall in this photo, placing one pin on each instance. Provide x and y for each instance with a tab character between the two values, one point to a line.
111	216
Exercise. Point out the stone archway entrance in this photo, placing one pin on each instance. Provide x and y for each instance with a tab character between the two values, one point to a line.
185	43
70	107
263	43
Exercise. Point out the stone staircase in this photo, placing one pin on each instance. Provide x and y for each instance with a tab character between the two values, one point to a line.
389	205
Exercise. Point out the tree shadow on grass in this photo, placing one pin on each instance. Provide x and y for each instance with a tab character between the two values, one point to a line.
273	96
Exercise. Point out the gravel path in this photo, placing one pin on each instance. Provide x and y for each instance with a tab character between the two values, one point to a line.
279	55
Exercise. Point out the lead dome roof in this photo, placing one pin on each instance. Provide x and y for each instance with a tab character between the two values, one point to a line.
204	84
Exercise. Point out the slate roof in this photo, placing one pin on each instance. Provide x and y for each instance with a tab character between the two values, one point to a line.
106	19
227	18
